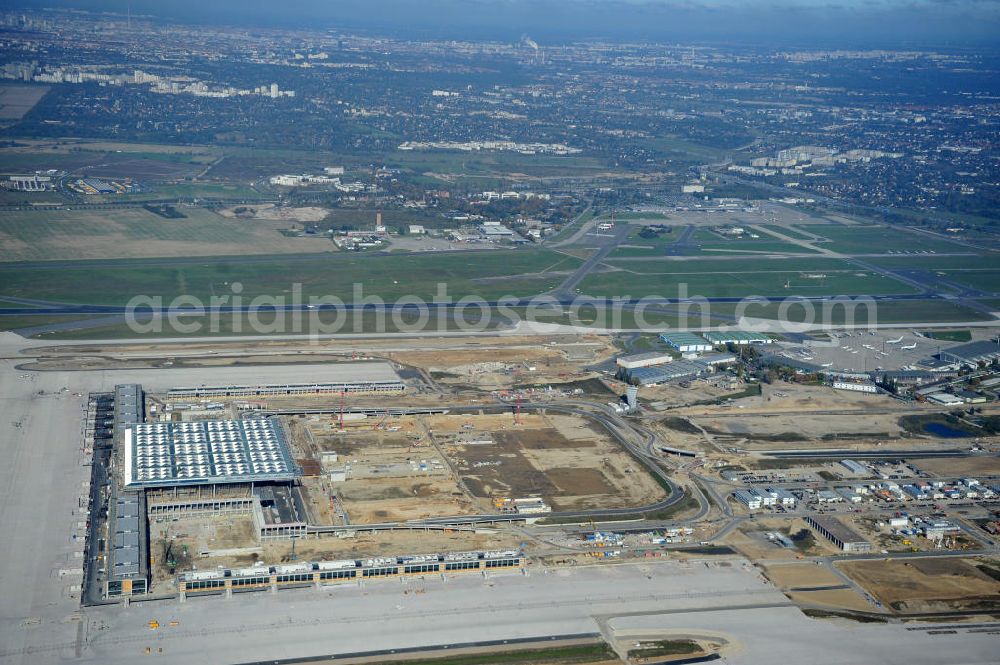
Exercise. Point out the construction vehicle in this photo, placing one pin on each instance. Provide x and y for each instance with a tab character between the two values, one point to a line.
153	624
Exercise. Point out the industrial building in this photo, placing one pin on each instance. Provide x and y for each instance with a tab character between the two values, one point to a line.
839	534
970	355
751	501
651	376
856	386
945	399
319	573
737	337
855	467
754	498
28	183
643	360
349	387
127	562
350	378
686	342
171	468
206	452
716	359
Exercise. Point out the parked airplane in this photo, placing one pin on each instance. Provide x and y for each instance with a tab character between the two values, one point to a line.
894	341
911	346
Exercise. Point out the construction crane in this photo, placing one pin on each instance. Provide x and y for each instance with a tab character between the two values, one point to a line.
381	423
343	399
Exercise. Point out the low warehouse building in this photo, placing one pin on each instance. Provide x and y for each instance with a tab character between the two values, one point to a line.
972	354
945	399
737	337
686	342
643	360
839	534
856	386
335	378
651	376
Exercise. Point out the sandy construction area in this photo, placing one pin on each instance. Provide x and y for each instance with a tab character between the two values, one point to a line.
269	211
925	585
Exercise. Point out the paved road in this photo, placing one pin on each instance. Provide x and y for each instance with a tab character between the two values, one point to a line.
567	290
40	307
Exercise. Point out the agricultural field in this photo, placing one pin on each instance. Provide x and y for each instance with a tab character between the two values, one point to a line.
16	100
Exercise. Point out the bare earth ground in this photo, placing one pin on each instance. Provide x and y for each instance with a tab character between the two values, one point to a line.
926	585
750	540
807	575
961	466
271	212
813	427
233	545
564	461
425	468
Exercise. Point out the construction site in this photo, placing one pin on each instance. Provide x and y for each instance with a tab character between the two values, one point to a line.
406	467
313	476
245	477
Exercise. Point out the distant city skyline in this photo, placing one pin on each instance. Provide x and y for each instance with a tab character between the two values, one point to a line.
779	22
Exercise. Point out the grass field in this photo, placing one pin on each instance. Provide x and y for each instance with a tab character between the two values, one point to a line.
203	190
748	264
949	335
32	320
368	322
789	231
909	311
712	243
728	283
984	280
647	246
558	655
138	164
872	239
740	277
389	277
134	232
931	262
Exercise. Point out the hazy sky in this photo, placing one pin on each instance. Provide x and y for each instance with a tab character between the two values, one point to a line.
776	22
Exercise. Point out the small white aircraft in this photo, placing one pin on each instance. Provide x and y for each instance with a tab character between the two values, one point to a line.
911	346
894	341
